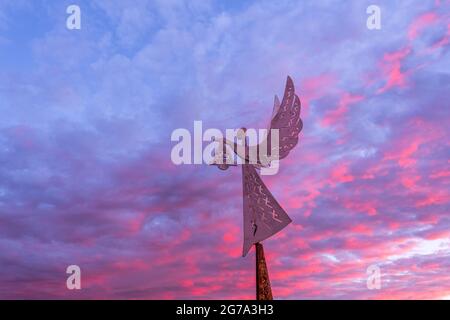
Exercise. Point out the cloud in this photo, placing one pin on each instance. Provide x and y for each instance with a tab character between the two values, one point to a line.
86	176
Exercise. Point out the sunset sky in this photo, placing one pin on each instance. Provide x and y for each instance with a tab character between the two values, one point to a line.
86	176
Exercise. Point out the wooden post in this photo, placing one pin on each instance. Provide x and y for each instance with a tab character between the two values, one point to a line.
263	289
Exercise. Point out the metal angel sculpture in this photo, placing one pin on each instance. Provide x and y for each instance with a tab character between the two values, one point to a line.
263	215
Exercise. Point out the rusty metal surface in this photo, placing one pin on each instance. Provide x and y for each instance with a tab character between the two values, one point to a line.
263	288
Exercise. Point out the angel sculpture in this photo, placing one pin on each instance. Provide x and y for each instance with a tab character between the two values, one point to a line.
263	216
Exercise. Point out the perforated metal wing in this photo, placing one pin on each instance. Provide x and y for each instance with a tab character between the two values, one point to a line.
286	118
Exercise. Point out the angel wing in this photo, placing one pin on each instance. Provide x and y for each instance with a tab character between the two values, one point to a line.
276	107
286	118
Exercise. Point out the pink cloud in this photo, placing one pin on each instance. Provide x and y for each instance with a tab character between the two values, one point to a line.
444	41
405	151
341	174
391	67
362	229
315	87
337	115
420	23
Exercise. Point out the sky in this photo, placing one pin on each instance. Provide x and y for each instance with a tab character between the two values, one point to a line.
86	176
